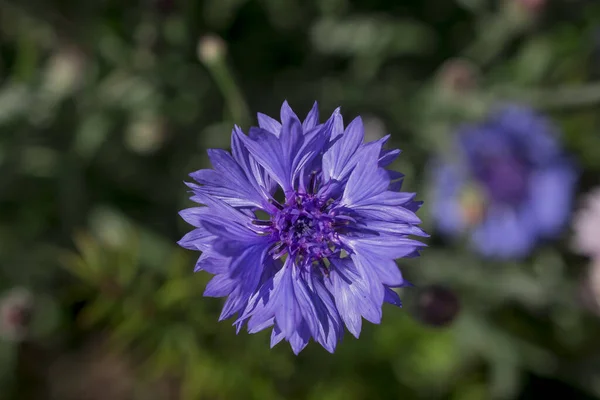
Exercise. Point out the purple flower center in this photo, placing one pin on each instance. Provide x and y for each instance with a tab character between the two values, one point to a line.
305	228
505	179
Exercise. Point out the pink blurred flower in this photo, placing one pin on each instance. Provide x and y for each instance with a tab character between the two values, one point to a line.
15	314
532	5
586	226
458	76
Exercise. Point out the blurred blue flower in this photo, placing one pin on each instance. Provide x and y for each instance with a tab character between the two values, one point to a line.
509	185
301	226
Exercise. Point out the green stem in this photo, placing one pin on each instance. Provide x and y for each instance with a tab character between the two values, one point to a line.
231	92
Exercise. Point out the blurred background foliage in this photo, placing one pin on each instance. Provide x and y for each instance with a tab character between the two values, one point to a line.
106	106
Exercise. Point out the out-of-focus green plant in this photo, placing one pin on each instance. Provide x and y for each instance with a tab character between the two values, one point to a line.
106	103
154	309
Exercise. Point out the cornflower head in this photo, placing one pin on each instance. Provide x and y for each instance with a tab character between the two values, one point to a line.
509	185
301	224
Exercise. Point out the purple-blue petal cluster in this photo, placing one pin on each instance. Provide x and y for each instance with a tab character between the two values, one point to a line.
301	224
509	185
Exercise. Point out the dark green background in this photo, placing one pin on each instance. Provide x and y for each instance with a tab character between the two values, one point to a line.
105	108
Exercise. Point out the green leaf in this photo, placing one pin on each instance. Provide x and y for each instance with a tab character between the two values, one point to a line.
47	316
533	61
77	266
91	252
174	291
98	311
91	134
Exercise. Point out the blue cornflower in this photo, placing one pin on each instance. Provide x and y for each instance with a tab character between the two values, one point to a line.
509	184
301	225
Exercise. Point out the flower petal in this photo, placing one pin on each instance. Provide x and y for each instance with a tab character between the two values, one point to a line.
228	181
338	156
392	297
356	192
352	295
505	234
269	124
551	197
312	119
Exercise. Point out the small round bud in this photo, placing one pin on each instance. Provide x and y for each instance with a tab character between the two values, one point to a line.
437	306
146	134
211	48
65	72
458	76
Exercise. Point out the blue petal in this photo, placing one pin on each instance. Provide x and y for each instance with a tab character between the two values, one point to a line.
236	302
287	311
194	215
285	157
352	295
228	181
551	197
337	158
254	327
300	338
220	286
274	154
446	209
212	263
269	124
383	245
391	198
224	220
288	116
276	336
531	132
386	269
318	310
307	304
333	331
505	234
369	273
392	297
396	180
247	267
391	228
388	156
256	174
312	119
197	239
395	214
275	297
356	191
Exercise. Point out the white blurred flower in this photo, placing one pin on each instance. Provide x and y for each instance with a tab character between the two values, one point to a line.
111	228
586	226
211	48
16	306
64	72
145	134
